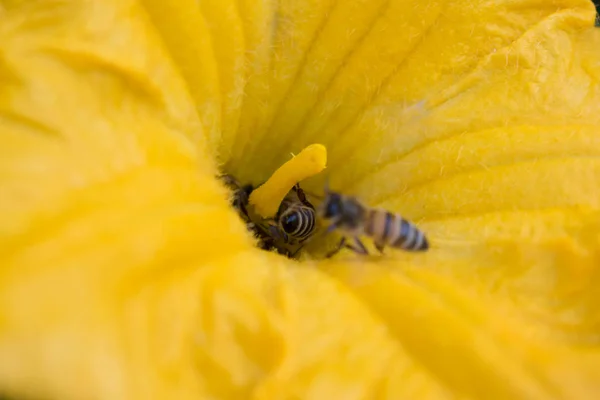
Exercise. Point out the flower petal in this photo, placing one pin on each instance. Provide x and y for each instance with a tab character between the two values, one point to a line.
177	22
132	108
398	89
505	321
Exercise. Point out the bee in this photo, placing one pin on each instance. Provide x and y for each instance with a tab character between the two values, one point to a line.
348	215
239	201
295	221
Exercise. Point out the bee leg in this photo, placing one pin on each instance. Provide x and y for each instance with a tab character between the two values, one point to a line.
379	247
276	233
337	249
293	255
274	230
359	248
302	196
300	193
244	211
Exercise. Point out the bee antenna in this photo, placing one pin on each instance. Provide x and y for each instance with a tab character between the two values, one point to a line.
326	189
316	196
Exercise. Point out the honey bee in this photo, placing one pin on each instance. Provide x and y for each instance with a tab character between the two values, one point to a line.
354	219
239	201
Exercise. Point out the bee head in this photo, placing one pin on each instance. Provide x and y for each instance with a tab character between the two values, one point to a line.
332	205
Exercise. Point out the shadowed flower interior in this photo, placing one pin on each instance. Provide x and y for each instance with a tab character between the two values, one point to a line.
125	273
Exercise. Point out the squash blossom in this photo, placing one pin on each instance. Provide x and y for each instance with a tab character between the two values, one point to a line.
126	274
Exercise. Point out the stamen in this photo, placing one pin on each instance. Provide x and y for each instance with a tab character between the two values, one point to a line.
267	198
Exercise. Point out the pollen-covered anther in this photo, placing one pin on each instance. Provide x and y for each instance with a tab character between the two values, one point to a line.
309	162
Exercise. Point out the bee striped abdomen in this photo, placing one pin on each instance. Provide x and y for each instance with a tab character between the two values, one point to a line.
302	225
388	228
379	225
408	236
373	223
370	223
311	219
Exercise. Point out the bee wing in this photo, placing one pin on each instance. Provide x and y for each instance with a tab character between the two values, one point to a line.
313	199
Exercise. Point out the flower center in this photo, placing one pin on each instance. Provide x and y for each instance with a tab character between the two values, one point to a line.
280	198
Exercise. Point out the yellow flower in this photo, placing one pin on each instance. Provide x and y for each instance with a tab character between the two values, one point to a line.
125	274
